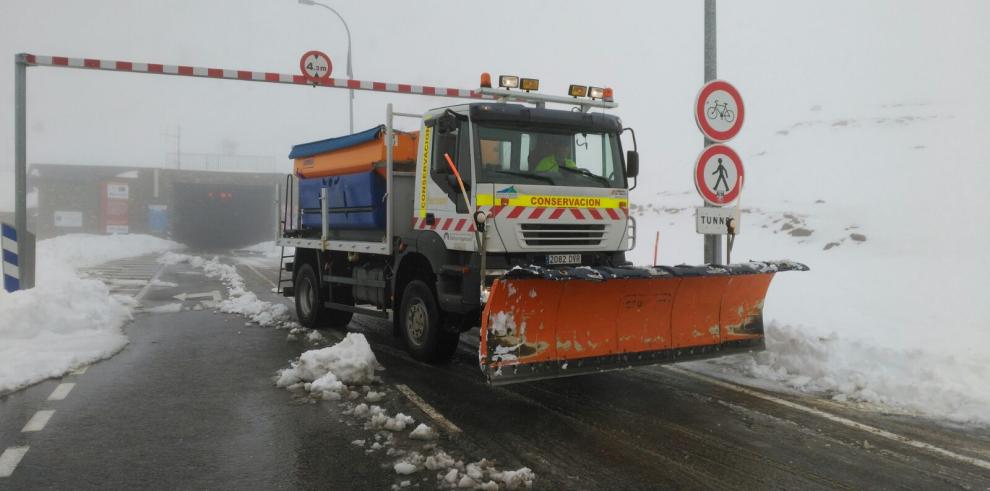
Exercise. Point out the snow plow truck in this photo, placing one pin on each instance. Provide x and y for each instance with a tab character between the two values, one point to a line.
506	214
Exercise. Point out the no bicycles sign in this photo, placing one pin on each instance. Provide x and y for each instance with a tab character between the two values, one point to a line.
719	111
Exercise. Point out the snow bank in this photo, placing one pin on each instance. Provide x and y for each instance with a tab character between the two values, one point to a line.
87	250
264	254
910	381
67	321
240	300
326	372
896	276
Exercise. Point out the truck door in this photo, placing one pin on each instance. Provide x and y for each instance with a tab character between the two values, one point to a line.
442	206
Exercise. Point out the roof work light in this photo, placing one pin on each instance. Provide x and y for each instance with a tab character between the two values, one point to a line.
577	91
529	84
596	92
508	81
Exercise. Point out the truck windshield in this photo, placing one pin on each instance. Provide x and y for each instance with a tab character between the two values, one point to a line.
513	155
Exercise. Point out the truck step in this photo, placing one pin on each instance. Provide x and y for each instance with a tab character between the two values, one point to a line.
288	265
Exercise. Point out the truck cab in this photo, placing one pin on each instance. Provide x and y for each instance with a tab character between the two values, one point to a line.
553	183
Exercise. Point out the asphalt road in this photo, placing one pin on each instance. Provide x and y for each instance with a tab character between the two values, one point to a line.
191	404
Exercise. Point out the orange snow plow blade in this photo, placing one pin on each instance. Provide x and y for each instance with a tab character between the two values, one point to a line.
545	323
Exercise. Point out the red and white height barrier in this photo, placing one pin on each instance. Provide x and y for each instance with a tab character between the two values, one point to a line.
245	75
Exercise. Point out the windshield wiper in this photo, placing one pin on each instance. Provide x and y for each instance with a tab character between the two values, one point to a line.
588	173
525	174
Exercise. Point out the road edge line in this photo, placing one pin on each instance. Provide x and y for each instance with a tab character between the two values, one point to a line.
430	411
836	419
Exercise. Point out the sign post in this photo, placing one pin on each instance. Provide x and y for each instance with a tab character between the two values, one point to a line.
26	265
713	243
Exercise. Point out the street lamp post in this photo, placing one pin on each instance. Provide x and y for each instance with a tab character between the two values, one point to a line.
350	73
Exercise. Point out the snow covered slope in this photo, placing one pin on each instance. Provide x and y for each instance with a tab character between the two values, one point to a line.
887	206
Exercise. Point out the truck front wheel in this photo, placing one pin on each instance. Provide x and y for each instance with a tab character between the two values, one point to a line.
421	326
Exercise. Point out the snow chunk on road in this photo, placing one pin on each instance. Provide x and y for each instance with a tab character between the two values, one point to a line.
404	468
329	370
399	422
422	432
484	475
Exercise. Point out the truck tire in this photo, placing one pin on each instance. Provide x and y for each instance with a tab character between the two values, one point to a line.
309	302
422	327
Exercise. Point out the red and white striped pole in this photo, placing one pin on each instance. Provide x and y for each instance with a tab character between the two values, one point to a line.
244	75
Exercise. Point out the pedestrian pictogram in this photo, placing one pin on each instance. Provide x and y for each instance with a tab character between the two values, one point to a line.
315	65
719	110
718	175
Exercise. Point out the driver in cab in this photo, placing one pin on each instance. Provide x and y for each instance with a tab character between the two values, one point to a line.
556	151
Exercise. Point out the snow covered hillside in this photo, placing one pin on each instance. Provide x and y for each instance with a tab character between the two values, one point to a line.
887	205
67	321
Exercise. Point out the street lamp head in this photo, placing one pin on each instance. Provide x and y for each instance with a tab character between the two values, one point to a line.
307	2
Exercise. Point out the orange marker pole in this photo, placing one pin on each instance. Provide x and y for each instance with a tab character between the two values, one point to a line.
656	249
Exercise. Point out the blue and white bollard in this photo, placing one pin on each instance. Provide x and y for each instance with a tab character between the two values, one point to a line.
11	273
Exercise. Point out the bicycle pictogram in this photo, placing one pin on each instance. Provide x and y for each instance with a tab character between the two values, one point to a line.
721	111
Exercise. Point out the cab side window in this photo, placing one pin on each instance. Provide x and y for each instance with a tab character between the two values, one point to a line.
454	143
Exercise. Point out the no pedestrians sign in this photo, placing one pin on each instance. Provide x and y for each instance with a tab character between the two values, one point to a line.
719	175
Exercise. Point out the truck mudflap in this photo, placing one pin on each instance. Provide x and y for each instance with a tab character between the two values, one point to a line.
543	323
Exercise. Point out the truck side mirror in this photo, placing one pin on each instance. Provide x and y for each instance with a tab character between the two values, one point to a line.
632	163
447	123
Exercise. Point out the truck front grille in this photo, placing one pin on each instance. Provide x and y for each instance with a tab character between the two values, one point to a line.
569	234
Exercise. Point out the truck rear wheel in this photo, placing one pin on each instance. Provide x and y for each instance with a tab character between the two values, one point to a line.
309	302
422	327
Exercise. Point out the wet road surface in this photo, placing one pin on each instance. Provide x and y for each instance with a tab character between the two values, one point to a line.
190	403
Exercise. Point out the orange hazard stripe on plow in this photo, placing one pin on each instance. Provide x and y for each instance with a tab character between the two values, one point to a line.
548	324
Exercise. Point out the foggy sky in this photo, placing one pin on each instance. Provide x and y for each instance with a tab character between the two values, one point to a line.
784	56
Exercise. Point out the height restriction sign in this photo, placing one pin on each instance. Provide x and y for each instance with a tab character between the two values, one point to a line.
315	65
719	175
719	111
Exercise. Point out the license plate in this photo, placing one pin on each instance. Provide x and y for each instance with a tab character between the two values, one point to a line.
563	259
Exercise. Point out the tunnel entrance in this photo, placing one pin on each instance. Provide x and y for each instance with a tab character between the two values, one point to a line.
210	216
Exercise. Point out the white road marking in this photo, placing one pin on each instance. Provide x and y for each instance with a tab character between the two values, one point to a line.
431	411
215	295
270	282
79	371
144	290
38	421
836	419
61	391
9	460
